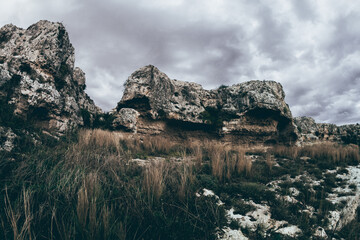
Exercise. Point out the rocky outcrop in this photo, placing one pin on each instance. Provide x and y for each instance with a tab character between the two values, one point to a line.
38	81
254	110
311	132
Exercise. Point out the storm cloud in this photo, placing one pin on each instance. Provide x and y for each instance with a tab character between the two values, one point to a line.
310	47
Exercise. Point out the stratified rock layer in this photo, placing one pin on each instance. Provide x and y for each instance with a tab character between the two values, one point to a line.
38	81
253	111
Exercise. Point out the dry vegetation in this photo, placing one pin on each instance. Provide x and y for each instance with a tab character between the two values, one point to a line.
88	187
329	153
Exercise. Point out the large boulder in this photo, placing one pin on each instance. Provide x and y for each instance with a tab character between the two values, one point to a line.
254	109
38	81
126	119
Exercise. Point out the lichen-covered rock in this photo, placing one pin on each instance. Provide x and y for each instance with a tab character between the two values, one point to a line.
254	108
7	138
307	129
38	81
126	118
311	132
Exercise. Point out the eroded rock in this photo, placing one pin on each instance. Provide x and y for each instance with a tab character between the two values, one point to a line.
311	132
126	118
38	81
255	110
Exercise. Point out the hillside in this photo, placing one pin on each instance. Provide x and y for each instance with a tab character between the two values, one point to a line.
170	161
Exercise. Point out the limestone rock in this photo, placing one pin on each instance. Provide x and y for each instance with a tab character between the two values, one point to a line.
254	108
38	81
7	138
312	132
126	118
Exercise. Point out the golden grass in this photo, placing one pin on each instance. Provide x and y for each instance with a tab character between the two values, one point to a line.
154	180
22	231
332	152
227	160
186	177
269	161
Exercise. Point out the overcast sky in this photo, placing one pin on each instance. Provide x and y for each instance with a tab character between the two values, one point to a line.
311	47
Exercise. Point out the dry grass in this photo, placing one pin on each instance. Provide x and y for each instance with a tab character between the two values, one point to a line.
187	176
226	160
241	160
331	152
87	203
269	161
155	176
248	167
20	230
196	149
157	144
217	155
334	153
90	190
286	151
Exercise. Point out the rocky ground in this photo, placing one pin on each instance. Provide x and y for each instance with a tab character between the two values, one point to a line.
301	200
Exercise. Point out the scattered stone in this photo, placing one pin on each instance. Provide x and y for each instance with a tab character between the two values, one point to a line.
230	234
320	232
291	231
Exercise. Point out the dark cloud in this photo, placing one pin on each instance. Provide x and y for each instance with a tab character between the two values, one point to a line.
310	47
271	36
304	9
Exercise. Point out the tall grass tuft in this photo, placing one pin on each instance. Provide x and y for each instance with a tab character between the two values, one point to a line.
154	180
20	217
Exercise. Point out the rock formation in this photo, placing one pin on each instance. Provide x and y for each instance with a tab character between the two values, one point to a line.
253	111
312	132
39	84
40	87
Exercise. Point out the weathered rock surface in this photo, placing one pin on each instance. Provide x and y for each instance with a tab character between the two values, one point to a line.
38	81
254	110
7	138
126	119
311	132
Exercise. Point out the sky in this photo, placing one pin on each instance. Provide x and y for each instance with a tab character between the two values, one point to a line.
310	47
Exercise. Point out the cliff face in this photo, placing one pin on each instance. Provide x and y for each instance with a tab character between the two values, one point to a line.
251	111
38	81
312	132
